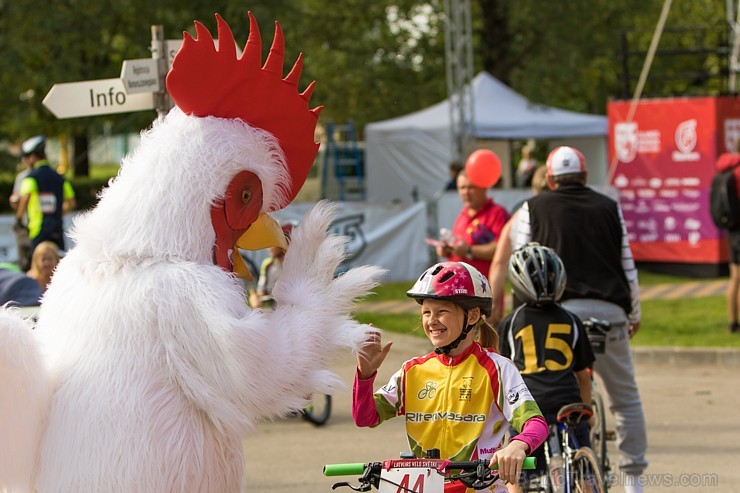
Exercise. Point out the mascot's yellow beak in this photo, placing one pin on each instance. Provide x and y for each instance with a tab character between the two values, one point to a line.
264	232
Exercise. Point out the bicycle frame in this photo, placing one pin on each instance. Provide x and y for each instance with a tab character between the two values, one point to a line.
566	452
573	480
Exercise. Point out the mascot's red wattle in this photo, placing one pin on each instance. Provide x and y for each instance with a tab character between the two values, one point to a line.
146	367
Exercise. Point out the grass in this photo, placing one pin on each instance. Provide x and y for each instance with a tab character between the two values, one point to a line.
404	323
685	322
397	290
651	279
104	170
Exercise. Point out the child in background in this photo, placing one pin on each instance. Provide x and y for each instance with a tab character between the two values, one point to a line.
547	343
270	270
43	262
460	397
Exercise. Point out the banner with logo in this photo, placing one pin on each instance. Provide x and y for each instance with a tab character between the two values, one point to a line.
665	160
391	236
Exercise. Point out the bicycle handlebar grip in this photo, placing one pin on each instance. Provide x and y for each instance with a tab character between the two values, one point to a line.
529	463
344	469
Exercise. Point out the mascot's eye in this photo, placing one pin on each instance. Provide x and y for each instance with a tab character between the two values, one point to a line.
246	196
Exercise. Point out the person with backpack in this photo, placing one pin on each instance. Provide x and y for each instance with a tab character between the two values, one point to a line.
725	208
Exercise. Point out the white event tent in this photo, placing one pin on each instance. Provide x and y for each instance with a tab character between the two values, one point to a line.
409	156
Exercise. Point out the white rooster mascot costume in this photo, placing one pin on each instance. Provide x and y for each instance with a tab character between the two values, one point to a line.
146	367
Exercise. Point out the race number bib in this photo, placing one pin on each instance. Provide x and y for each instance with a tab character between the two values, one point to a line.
48	202
419	476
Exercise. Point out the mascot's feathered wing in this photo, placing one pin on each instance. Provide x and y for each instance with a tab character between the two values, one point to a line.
146	367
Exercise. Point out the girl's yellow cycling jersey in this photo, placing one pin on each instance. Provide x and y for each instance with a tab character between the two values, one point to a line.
460	405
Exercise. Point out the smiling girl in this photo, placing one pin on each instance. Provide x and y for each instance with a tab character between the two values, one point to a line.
460	397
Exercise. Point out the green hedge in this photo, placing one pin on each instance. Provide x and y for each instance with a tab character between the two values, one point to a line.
86	191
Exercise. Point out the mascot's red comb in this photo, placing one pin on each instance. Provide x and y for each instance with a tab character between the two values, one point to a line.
207	82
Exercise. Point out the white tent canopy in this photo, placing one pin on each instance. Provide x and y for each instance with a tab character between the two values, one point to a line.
409	156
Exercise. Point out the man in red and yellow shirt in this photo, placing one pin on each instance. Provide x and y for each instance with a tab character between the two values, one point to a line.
477	228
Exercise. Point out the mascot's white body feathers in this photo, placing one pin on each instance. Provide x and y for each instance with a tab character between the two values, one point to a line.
146	367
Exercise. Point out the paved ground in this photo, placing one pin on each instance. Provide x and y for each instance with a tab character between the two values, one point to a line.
691	411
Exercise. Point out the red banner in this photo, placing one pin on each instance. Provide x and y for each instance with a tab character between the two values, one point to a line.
665	158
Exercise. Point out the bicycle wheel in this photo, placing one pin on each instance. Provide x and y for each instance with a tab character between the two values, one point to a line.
318	409
586	474
598	431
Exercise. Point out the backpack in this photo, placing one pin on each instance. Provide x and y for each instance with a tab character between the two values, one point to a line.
723	201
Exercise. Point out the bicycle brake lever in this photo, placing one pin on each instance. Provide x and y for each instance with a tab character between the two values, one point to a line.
482	478
363	487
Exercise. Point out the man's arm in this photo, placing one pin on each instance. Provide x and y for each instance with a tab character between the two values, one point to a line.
630	272
481	252
28	186
523	229
584	383
500	267
70	202
22	207
69	205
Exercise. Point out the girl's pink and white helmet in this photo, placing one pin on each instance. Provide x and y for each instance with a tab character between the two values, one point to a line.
458	282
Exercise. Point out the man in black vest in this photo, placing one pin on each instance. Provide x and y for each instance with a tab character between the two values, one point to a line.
587	231
44	195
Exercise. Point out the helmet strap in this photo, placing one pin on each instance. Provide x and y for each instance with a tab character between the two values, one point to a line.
449	347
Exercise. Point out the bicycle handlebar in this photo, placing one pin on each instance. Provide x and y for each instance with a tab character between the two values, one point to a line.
355	468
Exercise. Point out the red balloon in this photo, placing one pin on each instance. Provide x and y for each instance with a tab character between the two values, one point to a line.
483	168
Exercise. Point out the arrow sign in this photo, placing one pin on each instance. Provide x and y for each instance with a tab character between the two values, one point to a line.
140	75
94	97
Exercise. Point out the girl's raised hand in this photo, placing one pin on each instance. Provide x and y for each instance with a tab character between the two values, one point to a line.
371	355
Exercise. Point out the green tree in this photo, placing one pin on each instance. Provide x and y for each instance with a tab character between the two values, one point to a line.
372	59
568	54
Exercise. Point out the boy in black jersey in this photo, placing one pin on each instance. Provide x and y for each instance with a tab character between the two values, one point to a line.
547	343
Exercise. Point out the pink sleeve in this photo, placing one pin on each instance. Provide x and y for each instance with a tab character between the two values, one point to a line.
533	433
364	412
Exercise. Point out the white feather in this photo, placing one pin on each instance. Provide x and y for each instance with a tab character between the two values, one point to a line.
24	393
157	366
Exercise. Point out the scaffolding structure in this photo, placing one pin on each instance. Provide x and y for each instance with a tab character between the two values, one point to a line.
459	71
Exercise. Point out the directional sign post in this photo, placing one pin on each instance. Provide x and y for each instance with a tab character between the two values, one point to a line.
141	86
141	75
94	97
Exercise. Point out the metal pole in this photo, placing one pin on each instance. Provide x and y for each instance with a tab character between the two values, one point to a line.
469	121
733	19
459	68
450	69
162	101
643	78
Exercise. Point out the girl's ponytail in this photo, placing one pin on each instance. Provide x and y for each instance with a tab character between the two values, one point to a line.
487	335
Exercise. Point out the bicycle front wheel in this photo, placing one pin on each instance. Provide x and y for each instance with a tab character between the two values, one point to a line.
587	476
598	431
318	410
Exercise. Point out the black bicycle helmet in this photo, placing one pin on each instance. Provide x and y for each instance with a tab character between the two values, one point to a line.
537	274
